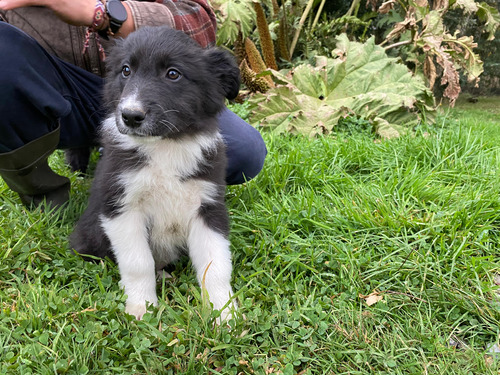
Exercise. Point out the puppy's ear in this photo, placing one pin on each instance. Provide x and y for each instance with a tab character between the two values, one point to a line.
225	69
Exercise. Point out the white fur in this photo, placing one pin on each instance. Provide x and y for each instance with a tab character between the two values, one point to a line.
211	258
130	101
160	214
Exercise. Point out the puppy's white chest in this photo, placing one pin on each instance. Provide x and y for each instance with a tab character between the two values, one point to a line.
166	200
162	186
164	197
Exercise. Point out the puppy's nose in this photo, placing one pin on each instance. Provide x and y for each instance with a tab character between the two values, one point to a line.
133	117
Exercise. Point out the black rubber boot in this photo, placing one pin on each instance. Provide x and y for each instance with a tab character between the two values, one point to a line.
27	172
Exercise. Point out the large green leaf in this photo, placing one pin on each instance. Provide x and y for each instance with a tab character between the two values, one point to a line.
361	81
233	17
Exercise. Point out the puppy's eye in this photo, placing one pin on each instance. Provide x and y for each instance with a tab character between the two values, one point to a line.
126	70
173	74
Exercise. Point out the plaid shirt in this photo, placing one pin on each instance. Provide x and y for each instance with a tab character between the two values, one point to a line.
195	17
197	21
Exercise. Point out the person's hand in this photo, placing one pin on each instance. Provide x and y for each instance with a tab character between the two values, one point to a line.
74	12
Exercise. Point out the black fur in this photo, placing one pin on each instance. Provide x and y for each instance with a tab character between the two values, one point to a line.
78	158
207	77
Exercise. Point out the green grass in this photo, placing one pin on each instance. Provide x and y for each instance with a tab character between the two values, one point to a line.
326	223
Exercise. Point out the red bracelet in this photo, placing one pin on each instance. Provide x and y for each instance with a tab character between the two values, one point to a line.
97	22
99	16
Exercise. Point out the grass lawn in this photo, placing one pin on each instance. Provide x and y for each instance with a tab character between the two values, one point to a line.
351	256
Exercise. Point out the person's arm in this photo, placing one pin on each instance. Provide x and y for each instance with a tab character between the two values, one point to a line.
195	17
74	12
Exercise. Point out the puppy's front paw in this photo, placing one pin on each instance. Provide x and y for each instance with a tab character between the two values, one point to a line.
136	309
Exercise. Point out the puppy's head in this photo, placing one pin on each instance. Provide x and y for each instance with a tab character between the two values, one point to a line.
162	83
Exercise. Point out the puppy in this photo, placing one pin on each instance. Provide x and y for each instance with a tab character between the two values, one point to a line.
159	188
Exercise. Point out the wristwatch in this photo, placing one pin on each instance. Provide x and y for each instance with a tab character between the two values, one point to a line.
117	15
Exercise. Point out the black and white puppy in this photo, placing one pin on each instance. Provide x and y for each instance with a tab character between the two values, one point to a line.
159	187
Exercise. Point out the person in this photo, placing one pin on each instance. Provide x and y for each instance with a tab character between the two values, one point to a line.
52	64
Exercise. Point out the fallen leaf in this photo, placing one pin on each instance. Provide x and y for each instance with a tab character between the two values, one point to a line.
372	298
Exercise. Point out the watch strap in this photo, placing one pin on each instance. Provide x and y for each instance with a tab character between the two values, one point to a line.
114	25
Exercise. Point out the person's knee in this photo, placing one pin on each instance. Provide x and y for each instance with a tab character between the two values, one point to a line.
15	46
246	150
246	162
11	35
255	158
32	99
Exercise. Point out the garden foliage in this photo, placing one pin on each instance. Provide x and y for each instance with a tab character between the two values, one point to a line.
361	81
234	18
310	99
434	50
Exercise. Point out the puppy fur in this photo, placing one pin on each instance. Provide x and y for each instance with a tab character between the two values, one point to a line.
159	188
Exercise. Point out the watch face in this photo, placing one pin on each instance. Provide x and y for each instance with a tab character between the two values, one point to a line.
117	11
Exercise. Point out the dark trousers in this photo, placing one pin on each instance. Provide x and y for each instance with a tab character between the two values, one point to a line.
39	92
